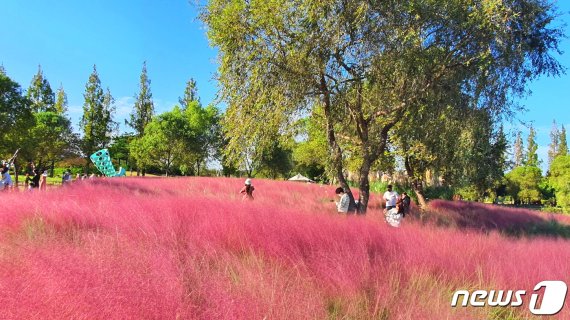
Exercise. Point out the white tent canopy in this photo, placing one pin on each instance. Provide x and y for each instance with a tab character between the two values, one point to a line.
300	178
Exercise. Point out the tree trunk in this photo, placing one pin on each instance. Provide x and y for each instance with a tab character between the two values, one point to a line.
334	148
417	186
52	168
16	173
364	185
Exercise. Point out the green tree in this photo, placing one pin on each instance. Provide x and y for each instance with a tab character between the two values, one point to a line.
523	184
53	138
15	109
560	180
144	105
61	101
310	154
277	161
204	122
119	149
518	153
190	94
165	141
96	123
562	144
144	108
40	93
532	147
366	64
17	118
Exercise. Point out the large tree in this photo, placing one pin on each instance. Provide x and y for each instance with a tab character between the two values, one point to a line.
53	138
532	148
40	93
144	105
17	117
166	141
204	122
143	109
97	121
15	109
367	63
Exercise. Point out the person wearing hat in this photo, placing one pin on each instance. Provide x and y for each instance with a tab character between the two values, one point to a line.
247	190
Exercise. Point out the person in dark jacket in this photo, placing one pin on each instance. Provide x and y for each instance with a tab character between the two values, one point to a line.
35	181
403	204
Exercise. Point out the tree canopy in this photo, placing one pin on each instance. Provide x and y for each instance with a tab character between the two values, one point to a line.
368	64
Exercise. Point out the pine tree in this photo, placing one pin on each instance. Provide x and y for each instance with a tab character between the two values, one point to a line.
190	94
144	106
500	147
96	123
532	147
61	101
554	140
40	93
562	144
518	152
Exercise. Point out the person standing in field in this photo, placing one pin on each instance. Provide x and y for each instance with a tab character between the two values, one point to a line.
66	179
43	180
391	197
403	204
247	190
343	202
35	183
6	179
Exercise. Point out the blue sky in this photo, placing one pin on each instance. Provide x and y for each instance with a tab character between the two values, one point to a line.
68	37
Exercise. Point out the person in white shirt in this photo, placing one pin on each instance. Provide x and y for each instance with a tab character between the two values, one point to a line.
391	197
344	201
6	180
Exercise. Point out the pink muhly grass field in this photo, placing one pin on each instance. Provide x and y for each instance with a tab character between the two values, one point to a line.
190	248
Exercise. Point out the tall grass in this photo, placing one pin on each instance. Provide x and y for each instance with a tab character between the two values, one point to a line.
192	249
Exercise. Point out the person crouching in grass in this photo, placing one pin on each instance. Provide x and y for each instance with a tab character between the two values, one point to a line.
344	200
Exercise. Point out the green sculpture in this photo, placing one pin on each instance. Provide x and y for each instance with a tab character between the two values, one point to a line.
102	161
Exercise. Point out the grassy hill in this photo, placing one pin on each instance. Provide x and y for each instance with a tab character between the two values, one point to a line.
190	248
